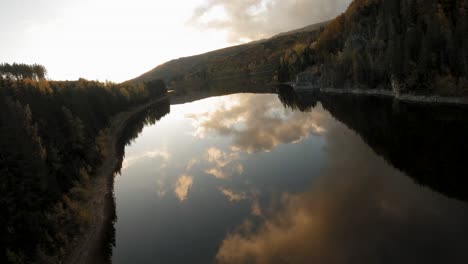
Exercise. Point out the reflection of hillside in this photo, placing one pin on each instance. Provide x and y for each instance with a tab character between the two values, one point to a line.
359	209
425	141
292	100
238	85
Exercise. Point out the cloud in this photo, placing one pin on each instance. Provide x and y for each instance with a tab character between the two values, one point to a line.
259	124
219	157
255	207
184	183
256	19
232	195
225	164
130	161
359	210
190	164
217	173
251	196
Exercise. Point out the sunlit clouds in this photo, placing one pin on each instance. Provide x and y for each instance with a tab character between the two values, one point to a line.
107	40
225	164
232	195
259	123
247	123
238	196
183	185
219	157
118	40
256	19
340	218
255	208
164	155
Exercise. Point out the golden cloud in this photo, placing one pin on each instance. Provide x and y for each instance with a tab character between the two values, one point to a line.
232	195
130	161
184	183
225	164
359	210
259	123
257	19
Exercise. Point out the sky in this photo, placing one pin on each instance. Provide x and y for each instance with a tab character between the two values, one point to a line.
117	40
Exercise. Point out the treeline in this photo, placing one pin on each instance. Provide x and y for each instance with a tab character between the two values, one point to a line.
411	46
52	139
398	132
298	56
21	71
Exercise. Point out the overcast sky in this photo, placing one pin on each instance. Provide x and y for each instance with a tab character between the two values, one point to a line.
118	40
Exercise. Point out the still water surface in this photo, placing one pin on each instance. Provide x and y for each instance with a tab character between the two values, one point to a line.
250	178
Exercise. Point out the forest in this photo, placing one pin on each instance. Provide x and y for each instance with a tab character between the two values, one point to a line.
255	63
53	133
22	71
410	46
52	136
398	132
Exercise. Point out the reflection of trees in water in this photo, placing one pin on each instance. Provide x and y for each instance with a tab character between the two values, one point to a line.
222	89
292	100
427	142
135	125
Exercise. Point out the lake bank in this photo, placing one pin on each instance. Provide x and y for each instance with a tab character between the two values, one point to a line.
82	249
430	99
372	165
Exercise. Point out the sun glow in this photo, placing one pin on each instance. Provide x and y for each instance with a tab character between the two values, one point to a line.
118	40
103	40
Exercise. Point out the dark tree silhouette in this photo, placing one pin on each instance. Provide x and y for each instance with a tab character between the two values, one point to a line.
50	134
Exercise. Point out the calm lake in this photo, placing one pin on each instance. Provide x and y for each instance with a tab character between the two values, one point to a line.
287	178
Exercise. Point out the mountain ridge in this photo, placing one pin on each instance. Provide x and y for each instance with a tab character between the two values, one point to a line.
403	46
261	56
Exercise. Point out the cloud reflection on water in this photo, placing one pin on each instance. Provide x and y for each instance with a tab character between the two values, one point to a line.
225	164
131	160
361	210
258	123
237	196
232	195
183	185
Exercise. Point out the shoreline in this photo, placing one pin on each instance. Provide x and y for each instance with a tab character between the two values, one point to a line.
429	99
82	249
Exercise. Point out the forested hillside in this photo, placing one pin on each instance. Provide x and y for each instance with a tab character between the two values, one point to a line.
408	46
52	138
258	61
411	46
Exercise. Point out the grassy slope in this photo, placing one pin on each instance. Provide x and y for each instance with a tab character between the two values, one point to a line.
238	61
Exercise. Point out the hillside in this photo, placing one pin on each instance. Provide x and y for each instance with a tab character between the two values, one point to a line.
408	46
258	59
309	28
403	46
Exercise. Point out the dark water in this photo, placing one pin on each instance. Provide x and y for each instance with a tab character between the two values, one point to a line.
268	178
